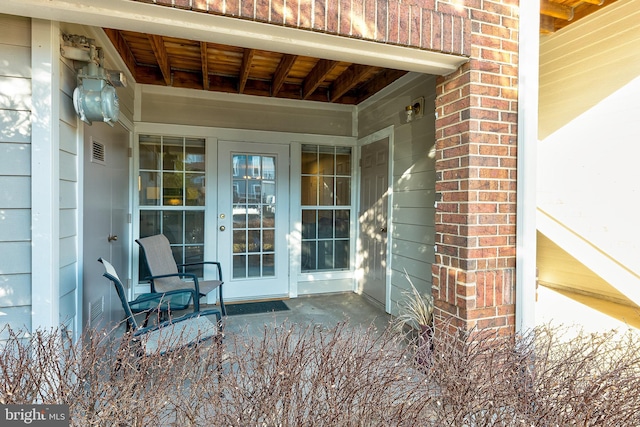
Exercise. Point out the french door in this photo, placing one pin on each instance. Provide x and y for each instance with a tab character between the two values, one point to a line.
252	224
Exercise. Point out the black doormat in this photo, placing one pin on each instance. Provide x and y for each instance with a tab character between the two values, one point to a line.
256	307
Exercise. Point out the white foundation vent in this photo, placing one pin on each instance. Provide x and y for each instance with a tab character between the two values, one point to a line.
97	152
96	311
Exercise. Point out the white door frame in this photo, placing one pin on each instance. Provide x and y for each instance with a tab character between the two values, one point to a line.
279	286
387	132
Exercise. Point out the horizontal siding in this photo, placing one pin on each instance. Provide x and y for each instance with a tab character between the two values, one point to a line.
424	198
69	174
587	61
19	66
16	93
15	225
68	251
68	307
68	223
67	112
15	192
68	166
17	290
68	195
417	233
15	31
15	173
183	110
16	257
17	318
68	138
15	159
68	277
15	126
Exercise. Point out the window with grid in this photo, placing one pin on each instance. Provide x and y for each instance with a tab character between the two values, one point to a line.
326	207
171	191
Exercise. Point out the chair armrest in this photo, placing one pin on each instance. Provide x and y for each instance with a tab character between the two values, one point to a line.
154	300
196	301
216	263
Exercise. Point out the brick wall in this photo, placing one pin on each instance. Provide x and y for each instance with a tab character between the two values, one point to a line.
413	23
474	272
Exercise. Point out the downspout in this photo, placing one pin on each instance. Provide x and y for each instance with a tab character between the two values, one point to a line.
528	72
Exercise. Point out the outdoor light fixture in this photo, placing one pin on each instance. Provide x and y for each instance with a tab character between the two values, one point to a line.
95	97
415	110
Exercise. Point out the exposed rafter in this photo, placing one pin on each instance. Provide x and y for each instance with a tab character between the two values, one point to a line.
160	52
284	67
349	79
204	58
317	75
557	14
245	68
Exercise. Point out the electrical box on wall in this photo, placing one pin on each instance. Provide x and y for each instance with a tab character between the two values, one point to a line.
95	97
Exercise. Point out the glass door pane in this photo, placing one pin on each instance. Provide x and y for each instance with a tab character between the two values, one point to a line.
253	186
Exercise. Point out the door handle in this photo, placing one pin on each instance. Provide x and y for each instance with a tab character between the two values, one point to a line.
112	238
222	228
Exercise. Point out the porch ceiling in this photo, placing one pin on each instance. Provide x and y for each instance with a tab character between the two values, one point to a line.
176	62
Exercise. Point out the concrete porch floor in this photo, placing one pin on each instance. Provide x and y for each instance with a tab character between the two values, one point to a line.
326	310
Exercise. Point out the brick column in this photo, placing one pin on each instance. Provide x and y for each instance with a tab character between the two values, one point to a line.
474	270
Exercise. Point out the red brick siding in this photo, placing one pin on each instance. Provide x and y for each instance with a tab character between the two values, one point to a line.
415	23
474	272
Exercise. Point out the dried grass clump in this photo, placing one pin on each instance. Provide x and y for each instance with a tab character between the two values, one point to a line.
342	376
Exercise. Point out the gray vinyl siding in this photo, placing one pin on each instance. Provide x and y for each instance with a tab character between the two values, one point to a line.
15	172
184	109
413	212
69	196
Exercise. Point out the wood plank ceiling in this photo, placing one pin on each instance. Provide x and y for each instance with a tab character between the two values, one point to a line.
169	61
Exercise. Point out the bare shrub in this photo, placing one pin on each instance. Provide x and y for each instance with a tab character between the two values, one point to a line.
295	376
292	375
540	379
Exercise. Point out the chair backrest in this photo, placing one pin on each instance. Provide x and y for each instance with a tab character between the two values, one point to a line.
160	261
111	274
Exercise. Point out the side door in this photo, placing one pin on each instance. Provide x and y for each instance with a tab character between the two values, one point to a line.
372	219
253	219
106	220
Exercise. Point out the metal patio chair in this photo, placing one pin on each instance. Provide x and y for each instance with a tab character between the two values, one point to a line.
165	275
173	333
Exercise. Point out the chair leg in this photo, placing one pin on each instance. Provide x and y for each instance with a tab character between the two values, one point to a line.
222	308
146	319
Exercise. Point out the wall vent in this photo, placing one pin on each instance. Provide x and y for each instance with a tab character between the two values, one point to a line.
96	311
97	152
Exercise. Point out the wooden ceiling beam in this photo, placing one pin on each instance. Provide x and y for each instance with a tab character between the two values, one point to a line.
285	65
160	52
556	10
316	76
123	49
204	58
596	2
245	68
349	79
